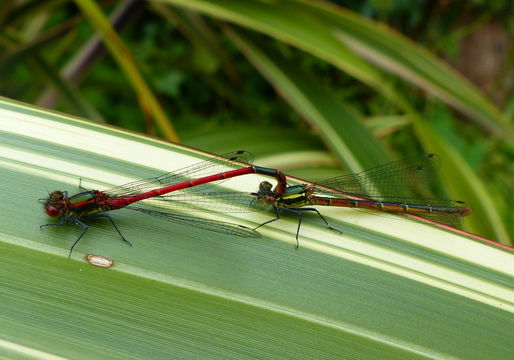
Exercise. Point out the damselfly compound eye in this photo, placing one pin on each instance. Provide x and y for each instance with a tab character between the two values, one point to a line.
52	211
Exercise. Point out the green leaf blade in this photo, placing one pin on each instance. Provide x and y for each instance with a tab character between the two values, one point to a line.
387	287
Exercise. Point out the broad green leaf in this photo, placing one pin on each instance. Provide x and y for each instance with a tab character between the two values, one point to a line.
386	288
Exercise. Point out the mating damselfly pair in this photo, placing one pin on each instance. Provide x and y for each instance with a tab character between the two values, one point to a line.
385	188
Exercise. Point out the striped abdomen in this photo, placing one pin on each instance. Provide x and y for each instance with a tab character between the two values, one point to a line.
394	207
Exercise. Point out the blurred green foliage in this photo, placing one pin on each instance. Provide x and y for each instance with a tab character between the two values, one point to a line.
189	79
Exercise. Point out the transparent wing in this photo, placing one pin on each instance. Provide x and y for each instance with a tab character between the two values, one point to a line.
405	182
196	222
226	202
229	161
394	180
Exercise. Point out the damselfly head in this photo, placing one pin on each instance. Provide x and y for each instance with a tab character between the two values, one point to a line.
265	186
265	195
54	203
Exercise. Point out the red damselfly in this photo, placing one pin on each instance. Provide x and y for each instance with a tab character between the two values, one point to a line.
94	203
385	188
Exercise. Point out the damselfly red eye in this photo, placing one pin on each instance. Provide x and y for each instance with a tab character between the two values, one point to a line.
52	211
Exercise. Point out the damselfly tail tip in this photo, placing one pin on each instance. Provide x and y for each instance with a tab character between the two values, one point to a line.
464	210
467	211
